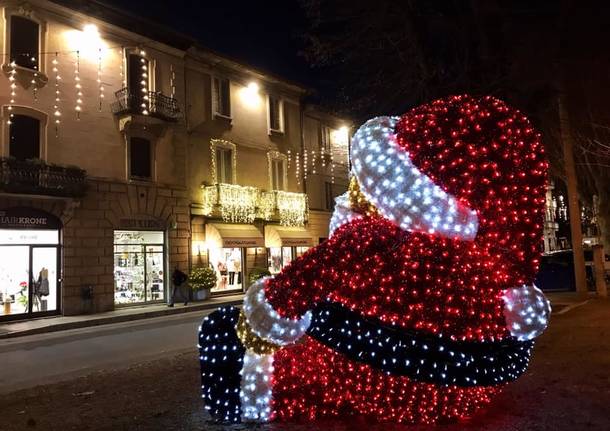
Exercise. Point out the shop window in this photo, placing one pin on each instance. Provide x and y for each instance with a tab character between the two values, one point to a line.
325	139
221	97
279	257
139	266
24	137
278	172
224	165
276	117
228	264
25	42
140	159
29	271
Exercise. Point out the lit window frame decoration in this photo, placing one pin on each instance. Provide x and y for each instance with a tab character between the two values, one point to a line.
292	208
222	143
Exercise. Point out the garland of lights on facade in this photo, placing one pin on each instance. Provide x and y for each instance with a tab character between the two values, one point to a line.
420	307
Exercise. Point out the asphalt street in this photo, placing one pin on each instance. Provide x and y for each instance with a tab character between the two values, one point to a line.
54	357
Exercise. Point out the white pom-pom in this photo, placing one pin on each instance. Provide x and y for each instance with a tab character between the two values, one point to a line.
526	311
266	323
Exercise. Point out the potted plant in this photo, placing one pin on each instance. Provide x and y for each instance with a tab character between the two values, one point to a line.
202	280
257	273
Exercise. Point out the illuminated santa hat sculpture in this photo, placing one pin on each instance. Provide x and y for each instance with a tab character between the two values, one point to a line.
420	306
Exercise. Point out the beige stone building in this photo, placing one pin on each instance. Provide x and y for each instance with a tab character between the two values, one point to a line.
126	155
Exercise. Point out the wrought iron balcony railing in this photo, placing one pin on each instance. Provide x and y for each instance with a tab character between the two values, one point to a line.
37	177
242	204
151	103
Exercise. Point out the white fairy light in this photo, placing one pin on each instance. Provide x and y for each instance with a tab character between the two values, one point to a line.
57	105
313	162
78	87
122	69
305	165
12	77
100	85
289	159
297	168
144	82
172	81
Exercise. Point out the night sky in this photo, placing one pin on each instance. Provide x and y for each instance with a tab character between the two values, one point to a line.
264	34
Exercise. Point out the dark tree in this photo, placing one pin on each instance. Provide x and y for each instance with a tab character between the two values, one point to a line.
385	56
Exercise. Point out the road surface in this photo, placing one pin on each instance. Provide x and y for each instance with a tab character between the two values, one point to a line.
57	356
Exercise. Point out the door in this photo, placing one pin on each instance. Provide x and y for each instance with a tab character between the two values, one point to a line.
43	291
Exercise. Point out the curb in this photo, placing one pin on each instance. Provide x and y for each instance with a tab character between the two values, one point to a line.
99	321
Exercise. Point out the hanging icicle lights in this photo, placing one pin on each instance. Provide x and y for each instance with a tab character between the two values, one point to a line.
12	77
77	85
144	82
100	84
57	105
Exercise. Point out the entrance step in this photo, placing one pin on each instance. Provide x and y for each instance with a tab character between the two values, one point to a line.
60	323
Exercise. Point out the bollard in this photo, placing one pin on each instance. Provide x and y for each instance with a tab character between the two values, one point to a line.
599	271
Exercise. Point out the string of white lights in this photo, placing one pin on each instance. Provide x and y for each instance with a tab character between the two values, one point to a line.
12	77
144	82
57	105
77	85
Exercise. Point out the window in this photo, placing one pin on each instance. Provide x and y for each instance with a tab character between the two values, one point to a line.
24	137
140	162
277	174
135	69
221	97
276	117
330	196
325	140
24	42
224	165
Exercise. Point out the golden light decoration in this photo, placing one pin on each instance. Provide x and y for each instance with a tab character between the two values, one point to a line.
237	203
292	208
250	340
357	201
266	205
210	199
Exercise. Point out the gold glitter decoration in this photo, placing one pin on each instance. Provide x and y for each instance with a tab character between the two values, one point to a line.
357	200
250	340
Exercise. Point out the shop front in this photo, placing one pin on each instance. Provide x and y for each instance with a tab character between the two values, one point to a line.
140	262
285	244
233	250
29	263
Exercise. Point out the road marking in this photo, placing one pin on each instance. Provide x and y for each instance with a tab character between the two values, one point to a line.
571	307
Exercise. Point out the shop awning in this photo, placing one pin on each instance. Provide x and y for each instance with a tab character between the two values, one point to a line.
282	236
233	235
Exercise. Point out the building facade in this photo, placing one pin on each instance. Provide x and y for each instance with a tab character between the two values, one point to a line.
126	156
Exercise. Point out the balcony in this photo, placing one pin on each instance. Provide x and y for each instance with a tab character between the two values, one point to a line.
241	204
38	178
154	104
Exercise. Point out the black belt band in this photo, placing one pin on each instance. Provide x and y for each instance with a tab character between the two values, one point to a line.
419	356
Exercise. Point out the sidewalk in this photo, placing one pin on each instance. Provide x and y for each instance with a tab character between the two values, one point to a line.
60	323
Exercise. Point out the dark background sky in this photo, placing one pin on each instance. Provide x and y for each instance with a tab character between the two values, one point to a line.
263	33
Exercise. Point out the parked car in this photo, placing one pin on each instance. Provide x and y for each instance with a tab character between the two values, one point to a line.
556	270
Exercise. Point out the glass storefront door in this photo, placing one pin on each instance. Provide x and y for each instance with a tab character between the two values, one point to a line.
139	266
29	279
279	257
228	264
